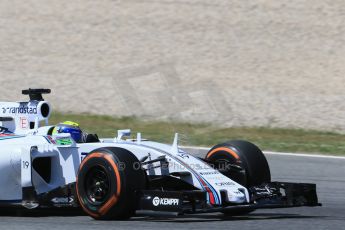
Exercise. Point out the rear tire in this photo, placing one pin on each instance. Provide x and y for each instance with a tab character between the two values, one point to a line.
107	182
245	155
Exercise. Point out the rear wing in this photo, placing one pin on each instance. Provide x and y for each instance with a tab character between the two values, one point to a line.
21	117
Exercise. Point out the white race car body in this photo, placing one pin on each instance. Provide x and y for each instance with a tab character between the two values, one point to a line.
41	170
19	151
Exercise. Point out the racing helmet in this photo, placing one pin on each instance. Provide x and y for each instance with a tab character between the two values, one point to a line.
71	128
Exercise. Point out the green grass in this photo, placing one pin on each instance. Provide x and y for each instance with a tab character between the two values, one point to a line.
285	140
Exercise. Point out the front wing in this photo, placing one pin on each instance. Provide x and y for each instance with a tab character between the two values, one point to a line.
269	195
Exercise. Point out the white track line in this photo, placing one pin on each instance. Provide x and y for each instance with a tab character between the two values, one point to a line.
304	155
278	153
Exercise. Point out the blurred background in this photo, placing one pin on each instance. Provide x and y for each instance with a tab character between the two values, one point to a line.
264	63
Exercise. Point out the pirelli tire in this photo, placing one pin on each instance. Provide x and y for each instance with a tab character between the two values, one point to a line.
248	165
107	182
245	155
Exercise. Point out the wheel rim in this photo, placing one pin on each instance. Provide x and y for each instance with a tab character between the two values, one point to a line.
97	185
221	163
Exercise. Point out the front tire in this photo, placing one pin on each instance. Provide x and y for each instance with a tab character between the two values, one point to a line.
107	182
246	156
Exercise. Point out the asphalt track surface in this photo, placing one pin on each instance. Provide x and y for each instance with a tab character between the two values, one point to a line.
327	173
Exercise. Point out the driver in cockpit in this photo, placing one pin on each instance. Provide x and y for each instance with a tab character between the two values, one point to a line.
77	134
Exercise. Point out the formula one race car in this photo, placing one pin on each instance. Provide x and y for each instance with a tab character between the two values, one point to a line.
114	178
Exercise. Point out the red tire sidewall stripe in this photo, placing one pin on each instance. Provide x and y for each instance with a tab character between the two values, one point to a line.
230	151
